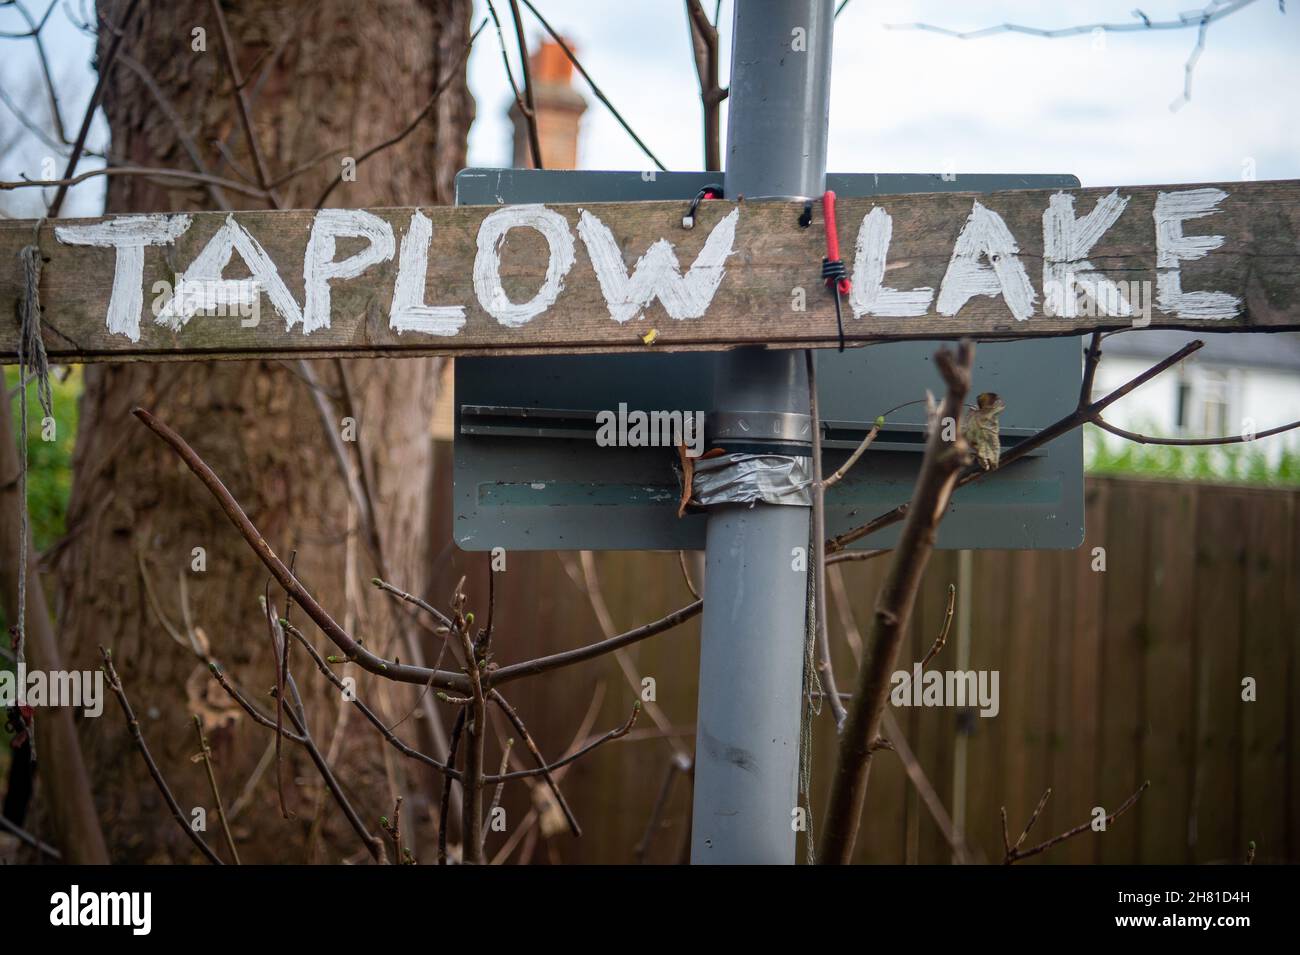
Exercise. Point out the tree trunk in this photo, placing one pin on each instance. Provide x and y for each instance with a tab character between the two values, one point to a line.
336	77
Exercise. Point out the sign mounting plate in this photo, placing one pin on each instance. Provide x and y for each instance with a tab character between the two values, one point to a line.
530	476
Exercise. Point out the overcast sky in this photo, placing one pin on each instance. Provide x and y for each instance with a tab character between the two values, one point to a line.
903	100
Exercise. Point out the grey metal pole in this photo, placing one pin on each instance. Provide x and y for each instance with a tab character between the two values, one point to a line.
751	659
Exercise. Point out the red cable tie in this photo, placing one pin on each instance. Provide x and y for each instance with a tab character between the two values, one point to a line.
833	240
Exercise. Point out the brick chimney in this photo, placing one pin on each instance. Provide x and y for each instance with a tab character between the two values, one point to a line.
559	108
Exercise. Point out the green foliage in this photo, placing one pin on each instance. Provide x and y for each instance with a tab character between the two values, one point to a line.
49	463
1238	463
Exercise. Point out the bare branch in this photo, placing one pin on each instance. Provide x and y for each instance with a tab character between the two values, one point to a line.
400	672
1216	10
27	839
946	454
105	67
1200	19
1190	442
366	711
1013	852
205	754
1086	412
569	657
825	667
676	767
471	780
115	684
529	107
617	733
895	735
546	773
853	458
67	181
241	101
444	807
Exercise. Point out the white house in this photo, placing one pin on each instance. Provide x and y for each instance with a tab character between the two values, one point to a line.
1238	383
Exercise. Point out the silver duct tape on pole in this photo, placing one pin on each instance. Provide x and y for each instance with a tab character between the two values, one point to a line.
752	479
766	460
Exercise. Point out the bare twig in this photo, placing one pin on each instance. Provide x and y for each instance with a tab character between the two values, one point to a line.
367	712
471	779
34	33
510	714
434	612
1086	412
241	102
205	755
946	454
528	107
354	651
400	672
1190	442
1216	10
1014	853
527	828
897	738
565	658
444	807
546	769
70	180
187	142
401	855
27	839
845	556
1199	19
676	767
115	684
501	787
825	667
298	716
105	68
589	581
861	449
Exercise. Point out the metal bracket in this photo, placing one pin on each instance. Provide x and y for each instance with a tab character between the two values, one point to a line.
763	427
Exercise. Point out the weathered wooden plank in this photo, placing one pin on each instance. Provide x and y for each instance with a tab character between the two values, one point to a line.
607	277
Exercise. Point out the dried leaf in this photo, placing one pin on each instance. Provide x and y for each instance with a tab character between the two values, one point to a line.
205	698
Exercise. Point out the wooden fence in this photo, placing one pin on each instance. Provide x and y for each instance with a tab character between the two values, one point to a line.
1106	678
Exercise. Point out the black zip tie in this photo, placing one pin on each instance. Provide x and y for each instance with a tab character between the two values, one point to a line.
711	191
832	271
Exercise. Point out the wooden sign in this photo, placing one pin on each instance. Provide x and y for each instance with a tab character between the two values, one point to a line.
612	277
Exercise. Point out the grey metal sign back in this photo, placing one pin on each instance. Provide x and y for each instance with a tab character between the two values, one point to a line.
529	475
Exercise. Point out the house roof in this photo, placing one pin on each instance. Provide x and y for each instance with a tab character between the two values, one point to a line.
1277	350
